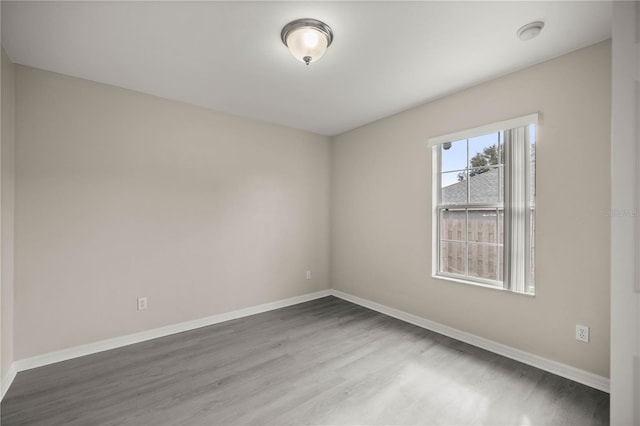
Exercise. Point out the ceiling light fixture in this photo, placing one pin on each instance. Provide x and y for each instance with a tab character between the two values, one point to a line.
529	31
307	39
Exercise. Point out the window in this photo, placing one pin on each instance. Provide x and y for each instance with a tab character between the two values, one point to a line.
484	205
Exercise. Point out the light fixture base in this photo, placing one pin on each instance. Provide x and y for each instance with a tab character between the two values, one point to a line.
307	23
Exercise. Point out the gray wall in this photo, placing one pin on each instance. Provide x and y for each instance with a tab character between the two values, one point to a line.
381	247
120	195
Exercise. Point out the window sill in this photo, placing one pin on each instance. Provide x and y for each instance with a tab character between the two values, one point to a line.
479	284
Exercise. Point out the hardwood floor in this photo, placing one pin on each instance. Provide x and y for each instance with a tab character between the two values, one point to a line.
327	361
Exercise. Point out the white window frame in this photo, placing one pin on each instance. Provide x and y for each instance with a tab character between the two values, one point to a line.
522	285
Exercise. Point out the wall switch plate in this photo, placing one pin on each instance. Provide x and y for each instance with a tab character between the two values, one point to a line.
308	275
142	303
582	333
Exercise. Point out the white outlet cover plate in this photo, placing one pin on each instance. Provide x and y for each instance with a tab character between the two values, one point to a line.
142	303
582	333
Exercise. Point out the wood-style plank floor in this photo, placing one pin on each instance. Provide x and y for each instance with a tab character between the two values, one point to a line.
327	361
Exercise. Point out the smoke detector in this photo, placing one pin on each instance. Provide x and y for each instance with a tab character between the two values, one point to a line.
529	31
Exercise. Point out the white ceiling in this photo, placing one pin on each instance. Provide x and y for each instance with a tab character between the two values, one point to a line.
386	56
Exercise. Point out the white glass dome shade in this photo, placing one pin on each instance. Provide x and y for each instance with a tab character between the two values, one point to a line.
307	39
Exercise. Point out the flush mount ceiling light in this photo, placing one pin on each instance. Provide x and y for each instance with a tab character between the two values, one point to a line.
307	39
530	30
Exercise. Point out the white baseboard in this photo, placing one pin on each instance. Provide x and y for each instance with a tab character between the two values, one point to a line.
117	342
572	373
7	380
558	368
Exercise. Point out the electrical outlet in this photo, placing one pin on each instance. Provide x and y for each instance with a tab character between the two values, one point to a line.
142	303
308	275
582	333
